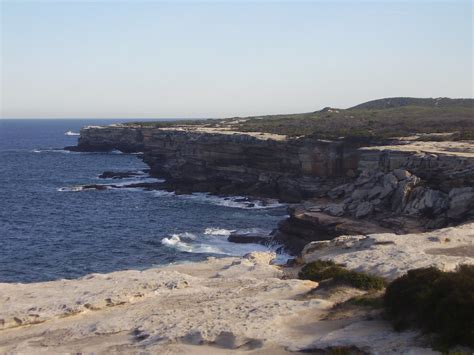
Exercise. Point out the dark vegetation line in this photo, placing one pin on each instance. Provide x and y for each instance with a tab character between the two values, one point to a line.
437	302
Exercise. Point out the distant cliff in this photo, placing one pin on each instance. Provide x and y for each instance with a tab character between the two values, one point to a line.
290	169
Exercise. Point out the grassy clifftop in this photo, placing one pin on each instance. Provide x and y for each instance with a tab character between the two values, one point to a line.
393	102
383	118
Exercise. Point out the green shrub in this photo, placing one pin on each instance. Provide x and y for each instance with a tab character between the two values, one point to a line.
362	280
321	270
435	301
367	301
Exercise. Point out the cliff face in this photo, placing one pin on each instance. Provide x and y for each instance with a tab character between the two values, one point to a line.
403	189
344	190
443	165
226	162
106	138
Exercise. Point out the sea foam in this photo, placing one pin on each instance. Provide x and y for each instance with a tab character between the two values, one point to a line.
214	241
233	201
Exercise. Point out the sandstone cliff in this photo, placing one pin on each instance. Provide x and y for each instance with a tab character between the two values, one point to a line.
230	162
343	189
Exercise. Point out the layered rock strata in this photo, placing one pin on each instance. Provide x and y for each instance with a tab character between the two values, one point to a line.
290	169
345	189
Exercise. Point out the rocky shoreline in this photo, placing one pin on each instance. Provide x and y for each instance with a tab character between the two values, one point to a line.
229	304
382	210
336	188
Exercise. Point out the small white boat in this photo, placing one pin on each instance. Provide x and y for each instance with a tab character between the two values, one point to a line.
71	133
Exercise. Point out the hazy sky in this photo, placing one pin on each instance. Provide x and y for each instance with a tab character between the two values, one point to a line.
224	58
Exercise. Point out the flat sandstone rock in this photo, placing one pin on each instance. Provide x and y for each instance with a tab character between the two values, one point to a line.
213	307
390	255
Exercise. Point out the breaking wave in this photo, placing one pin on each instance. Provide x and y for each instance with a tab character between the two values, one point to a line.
214	241
52	150
122	185
235	201
163	193
218	231
71	188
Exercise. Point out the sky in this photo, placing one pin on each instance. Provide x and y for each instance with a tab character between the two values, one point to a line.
190	59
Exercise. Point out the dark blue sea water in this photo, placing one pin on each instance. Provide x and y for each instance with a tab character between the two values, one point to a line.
50	231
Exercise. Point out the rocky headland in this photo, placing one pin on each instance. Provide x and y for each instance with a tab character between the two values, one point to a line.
335	187
377	204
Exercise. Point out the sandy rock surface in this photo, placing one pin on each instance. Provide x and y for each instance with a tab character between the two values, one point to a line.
390	255
220	306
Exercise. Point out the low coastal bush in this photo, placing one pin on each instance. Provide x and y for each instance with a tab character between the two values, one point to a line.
321	270
368	300
435	301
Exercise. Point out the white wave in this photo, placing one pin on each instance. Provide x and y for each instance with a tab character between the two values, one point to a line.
123	185
214	241
71	133
115	151
234	201
218	231
71	188
254	231
52	151
163	193
137	180
176	243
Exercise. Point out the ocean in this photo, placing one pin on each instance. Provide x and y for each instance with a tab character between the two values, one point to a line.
50	229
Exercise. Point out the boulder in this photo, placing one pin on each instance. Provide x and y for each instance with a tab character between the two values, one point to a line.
360	194
335	209
341	191
364	209
390	180
401	174
375	192
433	202
461	202
119	174
336	192
365	177
250	238
386	191
402	193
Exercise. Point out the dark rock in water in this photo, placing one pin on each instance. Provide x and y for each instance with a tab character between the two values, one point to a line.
97	187
119	174
247	238
144	185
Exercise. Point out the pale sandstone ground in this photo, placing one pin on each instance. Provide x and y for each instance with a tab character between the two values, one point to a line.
391	255
222	306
